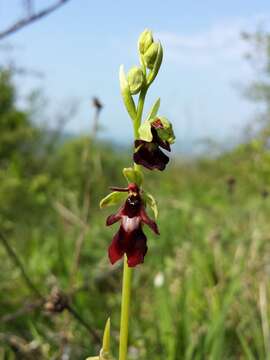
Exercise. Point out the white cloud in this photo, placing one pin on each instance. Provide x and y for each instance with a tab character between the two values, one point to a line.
219	42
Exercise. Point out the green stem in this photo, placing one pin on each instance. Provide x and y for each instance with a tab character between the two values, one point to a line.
137	121
127	271
125	309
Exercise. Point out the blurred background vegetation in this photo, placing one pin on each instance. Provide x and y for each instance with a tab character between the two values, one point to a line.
203	292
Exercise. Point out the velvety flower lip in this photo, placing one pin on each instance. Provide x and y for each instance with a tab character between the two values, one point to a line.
149	154
130	238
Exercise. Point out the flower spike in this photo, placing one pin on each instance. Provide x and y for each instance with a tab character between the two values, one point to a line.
151	137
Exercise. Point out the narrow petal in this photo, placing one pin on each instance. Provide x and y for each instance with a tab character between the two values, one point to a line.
151	223
119	189
137	248
114	217
116	249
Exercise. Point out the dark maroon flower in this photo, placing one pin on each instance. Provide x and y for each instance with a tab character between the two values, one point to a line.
130	238
149	153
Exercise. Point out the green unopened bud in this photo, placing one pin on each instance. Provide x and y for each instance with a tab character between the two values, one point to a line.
135	80
157	55
145	41
150	55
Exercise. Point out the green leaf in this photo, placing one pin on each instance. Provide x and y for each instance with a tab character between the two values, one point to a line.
151	201
106	337
154	110
145	131
112	199
133	176
126	95
105	351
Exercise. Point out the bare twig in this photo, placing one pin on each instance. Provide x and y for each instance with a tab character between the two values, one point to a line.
98	107
31	18
57	302
12	254
31	307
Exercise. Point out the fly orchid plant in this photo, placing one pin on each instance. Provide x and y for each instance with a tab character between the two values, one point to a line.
150	136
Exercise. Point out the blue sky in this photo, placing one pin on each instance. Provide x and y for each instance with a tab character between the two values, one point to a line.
80	47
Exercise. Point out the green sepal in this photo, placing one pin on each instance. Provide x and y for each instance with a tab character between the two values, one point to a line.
135	79
151	201
133	176
167	133
126	94
112	199
145	40
145	128
154	110
145	131
150	56
153	73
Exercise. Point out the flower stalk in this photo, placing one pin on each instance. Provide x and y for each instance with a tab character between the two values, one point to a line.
125	310
127	271
138	119
130	241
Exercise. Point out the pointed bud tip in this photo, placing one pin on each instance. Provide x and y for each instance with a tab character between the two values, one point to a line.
145	40
107	337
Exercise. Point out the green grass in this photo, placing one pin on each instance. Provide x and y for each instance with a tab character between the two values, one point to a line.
213	256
